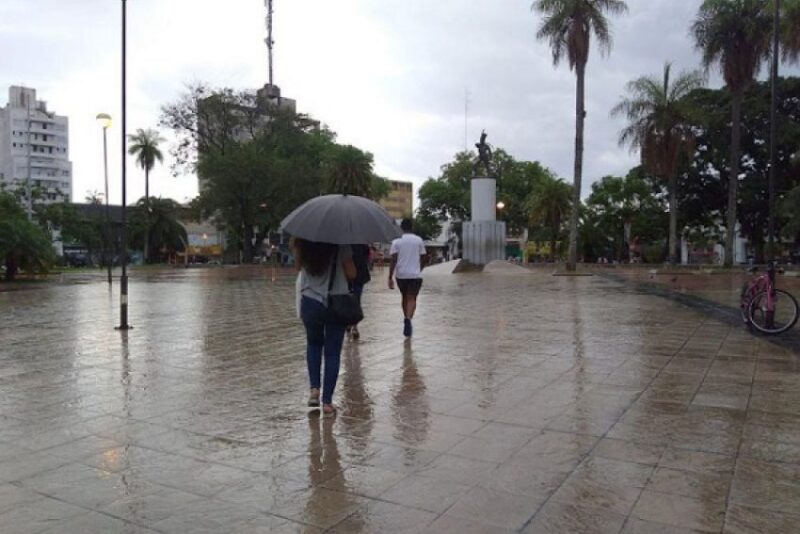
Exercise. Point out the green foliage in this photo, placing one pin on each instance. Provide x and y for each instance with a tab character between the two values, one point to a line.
23	243
75	228
620	210
661	126
568	26
548	206
144	144
348	171
166	234
448	195
703	187
735	35
427	226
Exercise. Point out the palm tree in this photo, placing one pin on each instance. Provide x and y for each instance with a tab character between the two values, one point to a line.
548	205
790	30
155	224
568	26
144	145
660	127
348	171
735	34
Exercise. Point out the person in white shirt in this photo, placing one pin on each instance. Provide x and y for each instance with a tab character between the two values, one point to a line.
408	254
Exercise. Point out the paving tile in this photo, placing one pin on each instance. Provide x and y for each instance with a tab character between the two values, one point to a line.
746	520
495	508
560	420
560	517
385	517
679	511
425	493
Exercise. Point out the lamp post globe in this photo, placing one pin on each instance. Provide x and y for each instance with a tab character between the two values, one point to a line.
104	119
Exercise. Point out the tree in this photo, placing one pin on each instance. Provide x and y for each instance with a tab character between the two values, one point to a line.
661	127
622	209
701	188
568	26
735	35
348	171
76	228
255	161
549	205
144	145
155	223
23	243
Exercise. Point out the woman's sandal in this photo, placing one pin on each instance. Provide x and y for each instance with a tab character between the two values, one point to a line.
328	410
313	399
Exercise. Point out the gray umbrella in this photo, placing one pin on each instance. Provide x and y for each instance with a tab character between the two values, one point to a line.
341	220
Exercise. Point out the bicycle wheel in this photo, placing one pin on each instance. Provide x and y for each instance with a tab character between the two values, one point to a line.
781	319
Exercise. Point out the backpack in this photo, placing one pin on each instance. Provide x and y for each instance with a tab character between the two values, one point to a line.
361	261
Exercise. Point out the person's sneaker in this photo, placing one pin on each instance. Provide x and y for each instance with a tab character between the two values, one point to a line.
407	327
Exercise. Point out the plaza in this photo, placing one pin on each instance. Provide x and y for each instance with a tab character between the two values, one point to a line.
525	402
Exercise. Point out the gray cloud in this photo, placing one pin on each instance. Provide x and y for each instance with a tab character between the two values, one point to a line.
388	76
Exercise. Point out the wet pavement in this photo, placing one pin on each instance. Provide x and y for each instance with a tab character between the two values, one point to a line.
524	403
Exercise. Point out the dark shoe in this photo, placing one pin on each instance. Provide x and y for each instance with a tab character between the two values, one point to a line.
354	332
407	327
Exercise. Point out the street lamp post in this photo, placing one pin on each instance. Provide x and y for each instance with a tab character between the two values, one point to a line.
105	122
773	113
123	299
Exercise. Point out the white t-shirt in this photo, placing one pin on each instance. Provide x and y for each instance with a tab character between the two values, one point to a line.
408	248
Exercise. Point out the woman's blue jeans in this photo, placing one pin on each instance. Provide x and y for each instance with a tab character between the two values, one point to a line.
322	336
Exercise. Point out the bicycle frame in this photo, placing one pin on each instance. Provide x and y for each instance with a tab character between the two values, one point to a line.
763	282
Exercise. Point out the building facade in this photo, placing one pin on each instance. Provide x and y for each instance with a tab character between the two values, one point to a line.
34	146
399	203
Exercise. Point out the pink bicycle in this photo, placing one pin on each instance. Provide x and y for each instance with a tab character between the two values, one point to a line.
766	308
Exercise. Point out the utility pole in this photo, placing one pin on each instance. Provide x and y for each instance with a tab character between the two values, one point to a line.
466	110
773	129
269	40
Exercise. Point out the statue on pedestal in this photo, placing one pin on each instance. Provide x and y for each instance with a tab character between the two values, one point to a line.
484	157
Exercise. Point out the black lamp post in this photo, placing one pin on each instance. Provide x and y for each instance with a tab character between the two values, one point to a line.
773	113
123	298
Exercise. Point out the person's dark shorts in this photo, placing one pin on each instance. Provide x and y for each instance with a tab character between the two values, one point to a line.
409	286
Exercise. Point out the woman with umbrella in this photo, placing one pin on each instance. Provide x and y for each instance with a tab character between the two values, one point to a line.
317	263
324	228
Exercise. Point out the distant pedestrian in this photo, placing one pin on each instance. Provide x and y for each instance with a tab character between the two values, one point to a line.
324	337
361	259
408	254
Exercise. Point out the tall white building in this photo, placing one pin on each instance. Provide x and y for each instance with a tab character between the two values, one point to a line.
34	144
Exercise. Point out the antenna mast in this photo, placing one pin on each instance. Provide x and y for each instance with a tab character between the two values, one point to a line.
269	40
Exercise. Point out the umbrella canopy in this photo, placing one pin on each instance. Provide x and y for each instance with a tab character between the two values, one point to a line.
341	220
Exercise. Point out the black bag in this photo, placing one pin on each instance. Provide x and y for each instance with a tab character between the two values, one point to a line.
343	309
361	261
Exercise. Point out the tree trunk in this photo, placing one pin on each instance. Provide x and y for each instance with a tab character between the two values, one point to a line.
11	267
733	177
146	253
673	219
580	116
247	244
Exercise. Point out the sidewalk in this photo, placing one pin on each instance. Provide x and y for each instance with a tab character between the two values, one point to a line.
525	403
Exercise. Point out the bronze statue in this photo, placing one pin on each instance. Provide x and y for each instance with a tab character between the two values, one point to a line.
484	157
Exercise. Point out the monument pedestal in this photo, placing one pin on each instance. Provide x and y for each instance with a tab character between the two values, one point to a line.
484	236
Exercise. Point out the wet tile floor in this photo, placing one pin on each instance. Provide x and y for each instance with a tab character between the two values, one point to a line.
525	403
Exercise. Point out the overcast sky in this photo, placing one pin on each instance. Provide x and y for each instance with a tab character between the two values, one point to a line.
388	76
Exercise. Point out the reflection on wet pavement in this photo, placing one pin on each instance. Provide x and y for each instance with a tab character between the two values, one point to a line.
524	403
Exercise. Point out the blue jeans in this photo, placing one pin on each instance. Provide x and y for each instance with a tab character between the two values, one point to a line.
322	336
